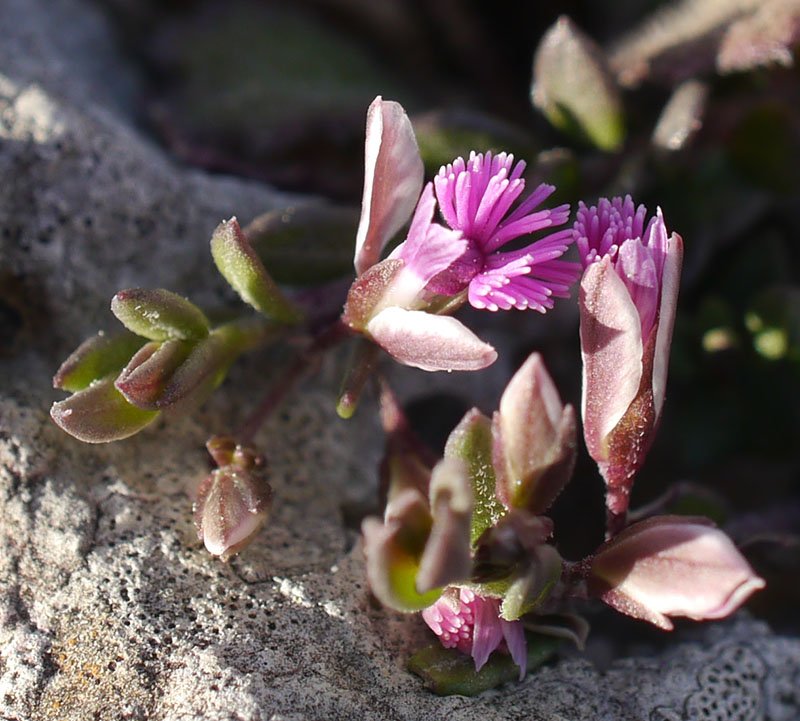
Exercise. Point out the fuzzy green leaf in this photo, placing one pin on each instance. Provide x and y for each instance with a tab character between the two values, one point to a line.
159	314
242	268
96	358
471	441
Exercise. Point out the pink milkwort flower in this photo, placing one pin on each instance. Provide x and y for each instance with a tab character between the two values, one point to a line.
475	199
401	302
627	301
672	566
471	623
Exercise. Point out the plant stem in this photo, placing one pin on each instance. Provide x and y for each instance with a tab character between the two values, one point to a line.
328	337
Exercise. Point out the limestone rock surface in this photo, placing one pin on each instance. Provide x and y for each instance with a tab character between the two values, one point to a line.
109	607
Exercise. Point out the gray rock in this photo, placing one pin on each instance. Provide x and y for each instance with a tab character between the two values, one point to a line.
110	607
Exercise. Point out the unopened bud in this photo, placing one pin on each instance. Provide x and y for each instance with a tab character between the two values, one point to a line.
233	502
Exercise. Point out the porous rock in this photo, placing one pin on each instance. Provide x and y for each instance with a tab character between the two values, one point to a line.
110	607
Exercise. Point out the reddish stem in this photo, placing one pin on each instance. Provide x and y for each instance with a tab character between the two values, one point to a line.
330	336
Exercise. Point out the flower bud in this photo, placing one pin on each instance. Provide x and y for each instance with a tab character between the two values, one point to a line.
233	501
534	440
628	297
672	566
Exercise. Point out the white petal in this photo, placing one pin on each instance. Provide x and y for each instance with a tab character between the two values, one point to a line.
430	342
393	175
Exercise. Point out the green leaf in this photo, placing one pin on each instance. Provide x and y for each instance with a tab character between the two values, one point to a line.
96	358
99	414
574	87
447	671
305	245
471	441
159	314
532	587
242	268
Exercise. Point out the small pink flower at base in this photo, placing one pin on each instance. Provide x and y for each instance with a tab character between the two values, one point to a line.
472	624
627	304
475	199
672	566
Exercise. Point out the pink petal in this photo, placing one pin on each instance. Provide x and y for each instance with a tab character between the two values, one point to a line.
636	267
611	348
514	634
428	250
393	177
673	566
670	283
430	342
488	631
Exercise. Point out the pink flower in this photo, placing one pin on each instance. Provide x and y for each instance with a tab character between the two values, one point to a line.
399	302
472	624
672	566
475	199
628	297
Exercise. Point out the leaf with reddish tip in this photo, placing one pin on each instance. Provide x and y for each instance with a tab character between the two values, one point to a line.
392	179
447	558
159	314
206	365
198	376
429	342
146	376
534	439
471	441
240	265
611	348
96	358
100	414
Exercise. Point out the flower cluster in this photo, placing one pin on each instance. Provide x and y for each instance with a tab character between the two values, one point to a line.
465	539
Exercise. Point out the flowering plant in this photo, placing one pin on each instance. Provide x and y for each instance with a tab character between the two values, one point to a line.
467	539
